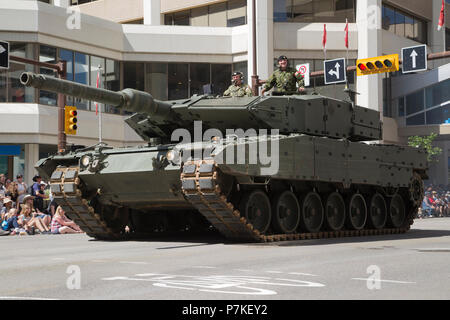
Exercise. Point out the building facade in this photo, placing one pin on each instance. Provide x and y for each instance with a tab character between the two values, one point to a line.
174	49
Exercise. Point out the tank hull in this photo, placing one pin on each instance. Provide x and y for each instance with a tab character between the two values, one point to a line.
141	182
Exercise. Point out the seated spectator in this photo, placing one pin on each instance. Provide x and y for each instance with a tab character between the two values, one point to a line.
46	219
7	205
29	223
39	195
11	221
61	224
11	191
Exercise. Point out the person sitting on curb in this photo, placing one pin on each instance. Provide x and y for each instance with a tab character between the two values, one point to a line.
61	224
29	223
45	218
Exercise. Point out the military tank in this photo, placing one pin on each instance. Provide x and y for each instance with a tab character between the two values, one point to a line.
254	169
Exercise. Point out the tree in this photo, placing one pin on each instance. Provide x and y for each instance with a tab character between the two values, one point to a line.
427	144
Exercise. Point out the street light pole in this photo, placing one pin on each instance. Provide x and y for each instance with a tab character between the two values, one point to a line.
255	78
62	140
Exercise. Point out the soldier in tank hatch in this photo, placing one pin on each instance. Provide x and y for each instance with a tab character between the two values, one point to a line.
238	88
284	80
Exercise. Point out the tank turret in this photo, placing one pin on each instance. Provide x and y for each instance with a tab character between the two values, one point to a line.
308	114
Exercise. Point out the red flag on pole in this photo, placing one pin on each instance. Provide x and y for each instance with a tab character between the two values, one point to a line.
324	41
98	83
442	16
346	33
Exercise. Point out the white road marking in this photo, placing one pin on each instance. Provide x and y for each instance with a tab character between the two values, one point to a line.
243	270
25	298
245	285
382	280
134	262
58	259
204	267
274	272
303	274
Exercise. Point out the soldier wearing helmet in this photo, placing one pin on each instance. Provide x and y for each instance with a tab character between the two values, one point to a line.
238	88
285	80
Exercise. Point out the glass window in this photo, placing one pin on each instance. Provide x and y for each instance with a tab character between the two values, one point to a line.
168	19
134	75
438	94
81	75
156	80
302	11
97	64
221	77
181	18
178	81
112	81
199	78
282	10
415	102
16	91
218	15
447	39
237	13
409	27
199	17
399	23
242	67
388	19
3	86
47	54
345	9
401	107
416	120
438	115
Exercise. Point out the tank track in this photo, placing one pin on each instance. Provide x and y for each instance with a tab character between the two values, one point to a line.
65	189
201	187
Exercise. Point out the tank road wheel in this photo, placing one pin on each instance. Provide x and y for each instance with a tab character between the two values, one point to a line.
285	213
335	212
377	211
357	212
416	190
397	212
255	207
312	213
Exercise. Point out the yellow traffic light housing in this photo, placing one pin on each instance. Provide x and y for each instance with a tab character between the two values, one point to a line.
389	63
70	120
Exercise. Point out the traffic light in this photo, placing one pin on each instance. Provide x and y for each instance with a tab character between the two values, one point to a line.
70	120
389	63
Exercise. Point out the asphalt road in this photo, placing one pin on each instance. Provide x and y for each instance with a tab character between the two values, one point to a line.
415	265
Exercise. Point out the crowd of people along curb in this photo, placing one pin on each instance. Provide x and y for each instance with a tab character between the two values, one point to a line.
30	210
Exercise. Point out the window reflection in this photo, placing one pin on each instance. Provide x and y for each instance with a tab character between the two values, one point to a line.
47	54
178	81
314	10
81	75
199	78
221	78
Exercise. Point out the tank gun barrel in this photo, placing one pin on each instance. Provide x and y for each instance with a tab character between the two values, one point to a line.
127	99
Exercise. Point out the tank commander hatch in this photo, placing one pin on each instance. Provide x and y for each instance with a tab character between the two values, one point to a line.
285	80
238	88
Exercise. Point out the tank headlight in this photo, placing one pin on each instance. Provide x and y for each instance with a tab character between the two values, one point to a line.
173	156
85	161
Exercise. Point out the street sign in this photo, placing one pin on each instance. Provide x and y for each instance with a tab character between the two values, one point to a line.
335	71
414	59
304	71
4	55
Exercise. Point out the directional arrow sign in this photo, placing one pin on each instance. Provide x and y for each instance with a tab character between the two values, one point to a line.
335	71
414	59
4	55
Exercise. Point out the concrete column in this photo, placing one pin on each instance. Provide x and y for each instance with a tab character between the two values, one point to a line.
31	157
152	12
368	20
264	38
61	3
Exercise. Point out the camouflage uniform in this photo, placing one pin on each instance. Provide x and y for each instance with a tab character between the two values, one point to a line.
284	81
238	91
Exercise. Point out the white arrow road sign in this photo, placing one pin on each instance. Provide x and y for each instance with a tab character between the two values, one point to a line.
414	57
336	73
2	49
